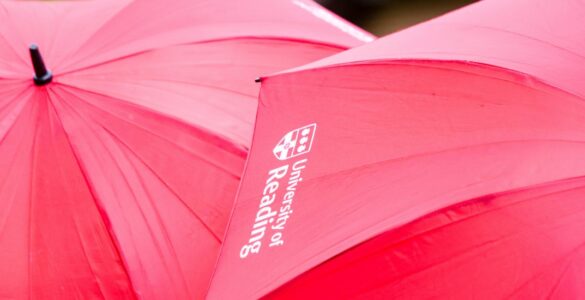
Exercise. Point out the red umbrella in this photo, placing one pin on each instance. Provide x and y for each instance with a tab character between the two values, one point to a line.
433	163
120	161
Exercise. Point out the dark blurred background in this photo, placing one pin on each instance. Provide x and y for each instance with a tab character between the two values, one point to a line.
381	17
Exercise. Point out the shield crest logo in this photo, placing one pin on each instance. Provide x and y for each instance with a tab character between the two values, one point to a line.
295	142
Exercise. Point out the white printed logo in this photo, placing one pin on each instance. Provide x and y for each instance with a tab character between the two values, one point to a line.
295	142
277	200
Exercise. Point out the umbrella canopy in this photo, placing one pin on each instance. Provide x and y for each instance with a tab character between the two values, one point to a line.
120	160
432	163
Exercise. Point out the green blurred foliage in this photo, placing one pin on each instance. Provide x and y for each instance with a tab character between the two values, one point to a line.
386	16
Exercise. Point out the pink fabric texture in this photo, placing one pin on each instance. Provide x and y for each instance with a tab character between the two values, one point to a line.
118	178
445	161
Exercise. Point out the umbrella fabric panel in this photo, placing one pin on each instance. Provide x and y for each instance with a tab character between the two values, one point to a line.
479	102
538	37
222	73
129	27
426	134
172	23
181	156
155	101
141	168
53	236
525	244
60	27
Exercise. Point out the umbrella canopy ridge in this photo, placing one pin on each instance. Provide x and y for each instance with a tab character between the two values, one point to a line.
432	162
501	223
124	131
495	33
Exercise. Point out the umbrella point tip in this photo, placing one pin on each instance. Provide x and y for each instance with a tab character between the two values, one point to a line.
42	75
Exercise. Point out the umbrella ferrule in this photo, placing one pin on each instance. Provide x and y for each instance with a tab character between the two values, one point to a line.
42	75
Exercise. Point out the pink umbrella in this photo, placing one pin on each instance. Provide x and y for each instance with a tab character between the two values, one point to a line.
120	160
445	161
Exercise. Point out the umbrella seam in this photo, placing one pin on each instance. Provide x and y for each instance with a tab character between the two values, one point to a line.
99	207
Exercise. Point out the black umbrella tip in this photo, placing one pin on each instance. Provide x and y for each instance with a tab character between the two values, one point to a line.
259	79
42	75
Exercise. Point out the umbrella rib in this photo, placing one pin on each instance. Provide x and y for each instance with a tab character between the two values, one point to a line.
555	288
210	103
169	245
30	202
7	43
87	260
236	116
567	256
191	83
403	158
12	161
116	138
474	200
138	157
11	126
267	38
141	211
119	33
110	18
529	38
237	151
164	229
93	195
156	175
13	49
